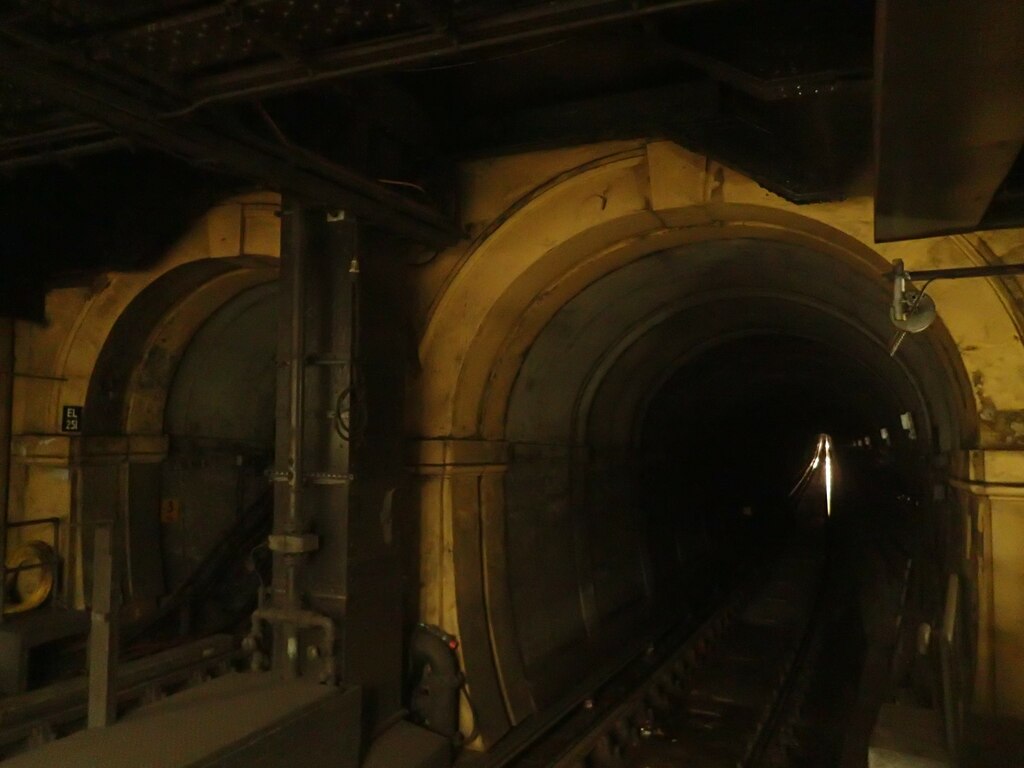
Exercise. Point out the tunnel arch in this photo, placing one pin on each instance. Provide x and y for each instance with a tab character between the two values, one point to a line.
81	318
180	405
489	365
112	345
658	286
128	388
505	294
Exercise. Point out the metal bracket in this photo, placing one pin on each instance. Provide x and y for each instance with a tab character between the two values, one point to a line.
327	360
293	543
954	273
327	478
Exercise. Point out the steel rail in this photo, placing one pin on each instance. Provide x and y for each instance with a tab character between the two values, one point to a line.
608	735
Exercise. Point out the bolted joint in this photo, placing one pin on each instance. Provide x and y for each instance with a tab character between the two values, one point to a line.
293	543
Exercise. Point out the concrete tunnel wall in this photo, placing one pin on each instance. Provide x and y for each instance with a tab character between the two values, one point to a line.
219	421
537	368
529	363
114	346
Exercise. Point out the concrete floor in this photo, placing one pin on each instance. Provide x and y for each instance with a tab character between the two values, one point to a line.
994	743
252	719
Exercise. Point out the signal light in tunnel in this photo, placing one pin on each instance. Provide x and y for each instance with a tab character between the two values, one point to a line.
827	441
822	456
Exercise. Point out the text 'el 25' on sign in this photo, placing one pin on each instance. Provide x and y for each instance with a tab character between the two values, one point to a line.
71	418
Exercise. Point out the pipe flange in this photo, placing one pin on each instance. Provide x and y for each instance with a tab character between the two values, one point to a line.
293	543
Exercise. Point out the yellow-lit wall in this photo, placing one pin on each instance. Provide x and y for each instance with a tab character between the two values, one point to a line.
542	226
54	362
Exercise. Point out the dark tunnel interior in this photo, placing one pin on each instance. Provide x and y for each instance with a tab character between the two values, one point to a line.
735	427
664	414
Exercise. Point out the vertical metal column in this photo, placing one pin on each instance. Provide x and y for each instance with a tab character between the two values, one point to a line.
303	639
289	523
103	633
334	411
334	604
6	417
309	538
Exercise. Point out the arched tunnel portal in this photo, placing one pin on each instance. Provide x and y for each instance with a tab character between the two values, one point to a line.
183	395
670	394
614	426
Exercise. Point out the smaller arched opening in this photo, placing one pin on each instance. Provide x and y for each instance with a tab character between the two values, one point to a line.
219	423
179	433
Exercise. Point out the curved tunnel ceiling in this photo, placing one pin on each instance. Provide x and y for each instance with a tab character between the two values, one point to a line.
780	378
223	387
589	374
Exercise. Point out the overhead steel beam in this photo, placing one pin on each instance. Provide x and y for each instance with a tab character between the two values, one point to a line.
436	13
307	175
64	154
949	112
382	54
456	36
802	85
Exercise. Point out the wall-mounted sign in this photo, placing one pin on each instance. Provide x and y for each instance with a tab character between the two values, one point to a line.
71	418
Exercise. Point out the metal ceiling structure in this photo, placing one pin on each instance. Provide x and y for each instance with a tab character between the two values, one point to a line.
949	113
156	77
781	100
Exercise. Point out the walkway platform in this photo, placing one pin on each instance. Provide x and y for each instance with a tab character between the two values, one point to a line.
249	719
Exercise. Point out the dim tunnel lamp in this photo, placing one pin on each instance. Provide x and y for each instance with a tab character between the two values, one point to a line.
913	310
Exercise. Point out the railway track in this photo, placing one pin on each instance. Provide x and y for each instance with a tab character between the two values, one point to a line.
731	709
727	696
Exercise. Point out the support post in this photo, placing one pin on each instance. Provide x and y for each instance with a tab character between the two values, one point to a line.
6	414
103	633
309	538
288	564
